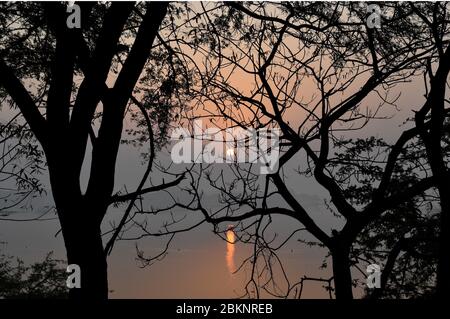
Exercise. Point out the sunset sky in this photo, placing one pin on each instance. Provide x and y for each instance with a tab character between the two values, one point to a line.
230	73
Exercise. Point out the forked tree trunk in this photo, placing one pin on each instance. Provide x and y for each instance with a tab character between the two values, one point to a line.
80	225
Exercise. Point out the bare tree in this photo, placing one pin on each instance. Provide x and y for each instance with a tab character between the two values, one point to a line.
323	62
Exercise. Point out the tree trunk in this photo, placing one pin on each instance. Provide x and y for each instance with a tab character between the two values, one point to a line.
80	221
443	269
84	248
341	273
436	158
83	242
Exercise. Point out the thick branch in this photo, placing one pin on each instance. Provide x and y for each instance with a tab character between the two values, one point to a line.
96	71
300	212
24	101
374	209
101	181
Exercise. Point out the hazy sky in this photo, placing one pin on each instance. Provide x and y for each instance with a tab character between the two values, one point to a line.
196	265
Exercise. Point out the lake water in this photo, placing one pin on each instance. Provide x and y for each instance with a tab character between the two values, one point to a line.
199	264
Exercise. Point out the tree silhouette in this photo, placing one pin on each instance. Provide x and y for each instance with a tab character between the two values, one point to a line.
436	18
44	279
404	238
69	82
311	70
327	48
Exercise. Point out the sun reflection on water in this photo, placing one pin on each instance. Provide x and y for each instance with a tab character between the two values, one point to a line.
231	238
